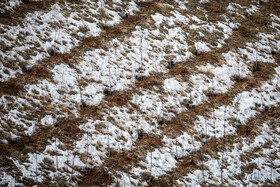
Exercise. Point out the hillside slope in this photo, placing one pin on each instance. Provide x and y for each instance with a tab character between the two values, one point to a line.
140	93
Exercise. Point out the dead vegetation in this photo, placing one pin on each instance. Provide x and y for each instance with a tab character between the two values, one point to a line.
124	161
96	177
120	98
188	164
149	82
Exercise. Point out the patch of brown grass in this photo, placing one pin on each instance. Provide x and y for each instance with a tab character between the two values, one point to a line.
122	161
208	57
40	71
148	140
119	98
97	177
149	82
220	98
259	19
273	6
245	31
175	126
243	130
69	127
265	70
11	87
180	69
277	58
215	7
89	110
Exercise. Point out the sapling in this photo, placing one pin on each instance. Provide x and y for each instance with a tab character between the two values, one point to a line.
225	111
176	149
151	163
198	155
222	165
87	145
259	168
256	64
238	70
80	90
181	51
205	122
141	55
36	162
110	79
271	169
262	106
202	168
214	123
137	114
56	157
155	65
108	140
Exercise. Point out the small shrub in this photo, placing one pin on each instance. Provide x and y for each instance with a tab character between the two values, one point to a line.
25	1
52	51
162	121
210	93
243	31
256	66
169	64
139	77
238	78
108	91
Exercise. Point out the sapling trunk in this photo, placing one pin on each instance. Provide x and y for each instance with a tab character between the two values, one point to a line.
271	170
176	149
36	162
225	111
222	165
56	157
108	140
205	122
141	55
238	69
80	90
214	123
222	161
137	114
110	79
87	145
259	169
151	163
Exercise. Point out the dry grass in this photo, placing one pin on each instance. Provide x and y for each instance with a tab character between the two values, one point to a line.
88	111
69	128
15	85
148	141
122	161
245	32
120	98
192	162
243	130
11	87
215	7
97	176
149	82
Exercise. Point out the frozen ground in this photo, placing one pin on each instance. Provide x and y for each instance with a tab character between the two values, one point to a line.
132	100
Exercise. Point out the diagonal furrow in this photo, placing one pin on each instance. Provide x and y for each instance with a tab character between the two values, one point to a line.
176	125
179	124
68	131
188	164
124	29
16	15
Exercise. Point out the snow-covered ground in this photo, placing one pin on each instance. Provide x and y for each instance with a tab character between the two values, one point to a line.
190	59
